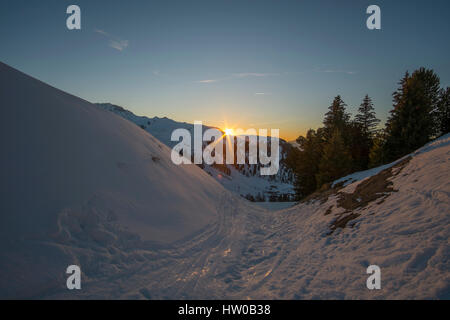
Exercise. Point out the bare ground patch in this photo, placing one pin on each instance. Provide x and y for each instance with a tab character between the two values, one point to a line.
323	193
371	189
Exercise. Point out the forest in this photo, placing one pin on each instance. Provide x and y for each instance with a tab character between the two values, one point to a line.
345	144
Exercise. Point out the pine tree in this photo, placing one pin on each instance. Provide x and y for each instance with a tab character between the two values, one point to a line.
336	118
358	145
376	154
336	161
442	115
411	123
305	162
363	130
366	118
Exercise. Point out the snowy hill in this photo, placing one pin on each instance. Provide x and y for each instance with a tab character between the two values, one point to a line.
78	176
83	186
396	216
244	180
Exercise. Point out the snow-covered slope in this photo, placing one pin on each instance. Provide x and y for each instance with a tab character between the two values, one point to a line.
396	217
73	173
244	180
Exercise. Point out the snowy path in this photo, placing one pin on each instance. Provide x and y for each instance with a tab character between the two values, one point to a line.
210	263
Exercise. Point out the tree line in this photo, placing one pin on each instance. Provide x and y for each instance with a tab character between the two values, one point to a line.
420	113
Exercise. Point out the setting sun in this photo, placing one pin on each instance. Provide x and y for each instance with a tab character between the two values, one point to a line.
228	132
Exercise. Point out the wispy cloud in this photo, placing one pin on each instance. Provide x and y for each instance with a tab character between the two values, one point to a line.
208	81
239	75
253	74
336	71
114	42
119	45
262	94
101	32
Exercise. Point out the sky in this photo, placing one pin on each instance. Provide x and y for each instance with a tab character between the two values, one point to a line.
231	64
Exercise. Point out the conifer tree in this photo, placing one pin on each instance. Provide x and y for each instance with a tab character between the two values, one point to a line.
376	154
411	123
305	162
363	130
358	144
336	161
336	118
366	117
442	115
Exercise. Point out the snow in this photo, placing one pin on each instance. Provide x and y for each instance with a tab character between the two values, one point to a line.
275	206
362	175
244	185
70	167
83	186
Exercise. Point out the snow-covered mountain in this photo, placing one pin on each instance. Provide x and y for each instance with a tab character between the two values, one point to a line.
244	180
84	186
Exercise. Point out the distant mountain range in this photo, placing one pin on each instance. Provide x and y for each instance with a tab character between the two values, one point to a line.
242	179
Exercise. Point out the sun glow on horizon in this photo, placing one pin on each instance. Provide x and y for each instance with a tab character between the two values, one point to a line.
228	132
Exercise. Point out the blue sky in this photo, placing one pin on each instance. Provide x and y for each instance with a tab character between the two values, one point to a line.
261	64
